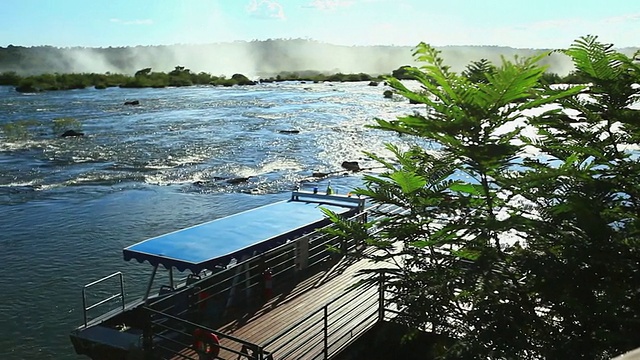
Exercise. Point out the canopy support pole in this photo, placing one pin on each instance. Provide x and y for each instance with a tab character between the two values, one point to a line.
171	277
153	276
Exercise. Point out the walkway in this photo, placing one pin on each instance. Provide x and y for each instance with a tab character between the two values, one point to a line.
269	326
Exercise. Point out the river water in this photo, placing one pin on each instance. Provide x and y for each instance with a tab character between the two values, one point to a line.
69	205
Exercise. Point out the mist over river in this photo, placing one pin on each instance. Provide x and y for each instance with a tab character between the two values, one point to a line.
69	205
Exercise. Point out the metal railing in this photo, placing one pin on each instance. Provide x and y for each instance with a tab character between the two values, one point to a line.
326	331
85	308
321	334
170	336
244	282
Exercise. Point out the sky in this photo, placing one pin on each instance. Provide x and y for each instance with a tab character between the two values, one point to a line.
542	24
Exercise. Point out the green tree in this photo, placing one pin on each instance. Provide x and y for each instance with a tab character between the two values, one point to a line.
551	78
143	72
477	71
588	240
19	129
509	255
401	73
9	78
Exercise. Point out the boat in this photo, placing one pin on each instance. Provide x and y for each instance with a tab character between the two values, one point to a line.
229	262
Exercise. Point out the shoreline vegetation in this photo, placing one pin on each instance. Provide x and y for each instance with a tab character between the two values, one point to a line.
146	78
181	76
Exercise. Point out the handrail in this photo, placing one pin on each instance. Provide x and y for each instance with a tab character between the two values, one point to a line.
85	309
279	260
354	201
310	315
338	312
257	350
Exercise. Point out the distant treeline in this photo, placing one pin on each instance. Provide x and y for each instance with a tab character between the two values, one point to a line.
181	76
145	78
255	58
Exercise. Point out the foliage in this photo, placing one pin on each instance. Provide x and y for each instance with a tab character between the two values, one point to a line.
145	78
477	71
9	78
19	130
317	77
242	80
143	72
553	78
402	73
515	247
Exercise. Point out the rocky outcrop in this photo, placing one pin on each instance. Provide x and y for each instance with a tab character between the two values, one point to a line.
351	165
132	102
232	181
71	133
240	79
238	180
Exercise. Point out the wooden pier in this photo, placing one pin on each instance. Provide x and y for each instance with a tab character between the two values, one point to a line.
314	318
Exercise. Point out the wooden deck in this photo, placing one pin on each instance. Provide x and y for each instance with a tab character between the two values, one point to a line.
289	305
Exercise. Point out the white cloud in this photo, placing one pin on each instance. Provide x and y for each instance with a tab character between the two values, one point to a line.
132	22
329	4
267	9
553	24
622	19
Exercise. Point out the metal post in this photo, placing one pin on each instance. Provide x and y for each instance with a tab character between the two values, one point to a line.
326	332
153	276
84	305
381	297
122	290
171	277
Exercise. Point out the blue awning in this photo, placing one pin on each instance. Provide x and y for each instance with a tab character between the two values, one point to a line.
213	244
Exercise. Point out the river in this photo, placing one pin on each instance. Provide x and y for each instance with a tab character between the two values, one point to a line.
69	205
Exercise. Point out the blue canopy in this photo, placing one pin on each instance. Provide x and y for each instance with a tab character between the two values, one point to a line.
215	243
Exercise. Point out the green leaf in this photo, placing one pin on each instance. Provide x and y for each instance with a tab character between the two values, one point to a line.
466	254
409	182
471	189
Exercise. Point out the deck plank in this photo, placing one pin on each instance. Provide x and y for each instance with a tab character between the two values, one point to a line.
286	309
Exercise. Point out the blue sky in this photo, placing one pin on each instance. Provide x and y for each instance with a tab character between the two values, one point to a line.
515	23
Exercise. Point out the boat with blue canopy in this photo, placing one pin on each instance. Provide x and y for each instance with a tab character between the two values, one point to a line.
226	261
215	244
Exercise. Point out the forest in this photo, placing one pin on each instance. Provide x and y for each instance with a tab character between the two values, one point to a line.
256	59
32	69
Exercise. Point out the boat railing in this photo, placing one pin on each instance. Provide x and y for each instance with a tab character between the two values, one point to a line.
244	283
330	329
321	334
86	309
336	199
169	336
325	331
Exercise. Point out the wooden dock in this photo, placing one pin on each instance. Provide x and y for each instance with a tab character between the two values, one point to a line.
325	322
287	308
315	310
